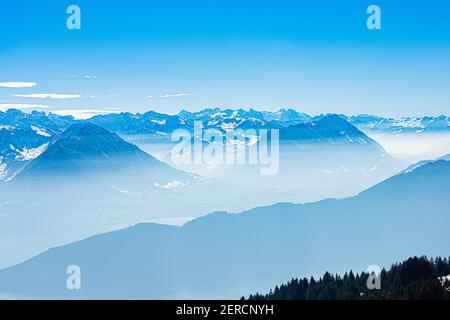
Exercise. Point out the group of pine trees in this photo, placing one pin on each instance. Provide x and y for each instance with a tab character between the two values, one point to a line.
417	278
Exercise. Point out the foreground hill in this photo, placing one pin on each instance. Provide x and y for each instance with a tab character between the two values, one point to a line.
229	255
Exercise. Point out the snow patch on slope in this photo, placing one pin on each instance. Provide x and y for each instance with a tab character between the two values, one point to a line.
9	128
40	131
3	171
30	154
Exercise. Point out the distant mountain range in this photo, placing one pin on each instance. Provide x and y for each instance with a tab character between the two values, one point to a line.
45	124
326	144
213	118
152	122
229	255
368	123
313	151
25	136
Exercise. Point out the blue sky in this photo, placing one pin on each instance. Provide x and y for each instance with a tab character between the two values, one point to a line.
316	56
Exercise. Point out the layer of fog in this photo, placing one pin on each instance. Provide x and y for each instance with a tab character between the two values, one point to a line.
305	172
414	147
27	227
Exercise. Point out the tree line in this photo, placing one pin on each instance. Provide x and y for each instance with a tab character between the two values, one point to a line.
417	278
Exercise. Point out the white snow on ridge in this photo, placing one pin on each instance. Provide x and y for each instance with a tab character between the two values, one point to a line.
212	123
218	114
412	168
39	131
362	141
228	126
160	122
9	128
409	123
30	154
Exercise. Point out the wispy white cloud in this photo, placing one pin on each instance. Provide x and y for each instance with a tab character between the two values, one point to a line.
84	114
175	95
17	84
103	96
21	106
48	96
87	76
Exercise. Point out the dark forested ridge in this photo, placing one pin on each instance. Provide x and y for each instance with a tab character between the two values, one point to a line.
414	279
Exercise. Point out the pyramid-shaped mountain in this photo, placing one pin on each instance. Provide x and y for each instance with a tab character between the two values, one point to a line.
88	148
